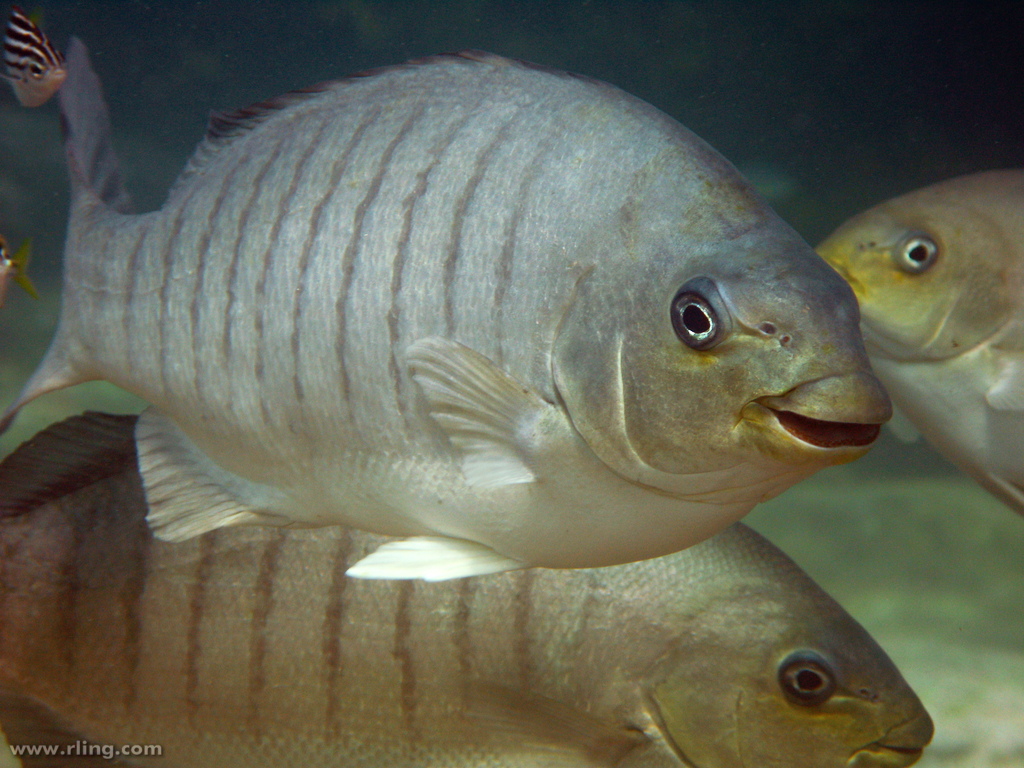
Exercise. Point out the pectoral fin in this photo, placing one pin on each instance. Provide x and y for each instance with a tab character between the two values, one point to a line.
489	417
187	493
431	558
1007	394
552	733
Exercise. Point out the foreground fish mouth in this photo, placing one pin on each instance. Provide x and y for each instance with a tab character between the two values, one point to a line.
827	434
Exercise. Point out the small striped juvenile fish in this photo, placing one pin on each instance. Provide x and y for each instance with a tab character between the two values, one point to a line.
13	266
516	315
249	647
33	67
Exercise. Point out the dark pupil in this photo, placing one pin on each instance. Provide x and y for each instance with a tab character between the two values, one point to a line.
809	680
696	320
918	253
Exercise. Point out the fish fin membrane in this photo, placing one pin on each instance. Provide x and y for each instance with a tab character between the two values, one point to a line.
64	458
1007	394
902	428
54	372
431	558
554	733
26	722
187	493
487	415
87	134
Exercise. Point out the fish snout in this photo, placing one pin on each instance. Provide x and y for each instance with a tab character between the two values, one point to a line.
845	410
902	746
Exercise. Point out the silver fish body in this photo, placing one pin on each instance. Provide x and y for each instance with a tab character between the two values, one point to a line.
515	314
249	646
940	276
33	67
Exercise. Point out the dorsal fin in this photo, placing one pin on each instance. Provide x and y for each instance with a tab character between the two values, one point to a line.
223	128
64	458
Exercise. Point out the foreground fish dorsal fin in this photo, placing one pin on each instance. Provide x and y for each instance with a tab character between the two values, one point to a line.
64	458
488	416
26	722
186	492
431	558
1007	394
560	735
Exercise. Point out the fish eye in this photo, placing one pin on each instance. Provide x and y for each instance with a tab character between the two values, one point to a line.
917	254
694	319
807	679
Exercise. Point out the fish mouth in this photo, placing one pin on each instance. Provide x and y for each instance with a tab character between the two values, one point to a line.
885	756
826	434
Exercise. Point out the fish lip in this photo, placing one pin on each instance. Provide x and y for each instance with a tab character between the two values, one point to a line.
887	755
826	434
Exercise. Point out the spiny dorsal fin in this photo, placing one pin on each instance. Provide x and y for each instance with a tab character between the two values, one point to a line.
224	127
64	458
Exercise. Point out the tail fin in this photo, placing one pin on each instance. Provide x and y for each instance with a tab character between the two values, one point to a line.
95	185
86	121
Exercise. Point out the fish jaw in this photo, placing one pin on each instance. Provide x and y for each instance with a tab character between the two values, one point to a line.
900	747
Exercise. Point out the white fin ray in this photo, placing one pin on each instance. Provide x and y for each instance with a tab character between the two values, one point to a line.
187	493
1007	394
488	416
431	558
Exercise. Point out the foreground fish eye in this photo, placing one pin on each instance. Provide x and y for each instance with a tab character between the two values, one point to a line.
694	320
917	254
806	679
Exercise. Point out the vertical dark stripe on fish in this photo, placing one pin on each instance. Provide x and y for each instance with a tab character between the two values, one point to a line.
168	361
70	581
284	207
236	255
353	249
129	309
402	652
334	623
315	223
508	248
523	606
461	638
198	293
131	601
458	221
409	206
264	604
193	632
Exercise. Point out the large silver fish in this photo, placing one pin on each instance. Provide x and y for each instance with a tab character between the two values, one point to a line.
250	647
940	276
517	315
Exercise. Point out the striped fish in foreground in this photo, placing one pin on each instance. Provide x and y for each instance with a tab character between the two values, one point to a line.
238	649
514	314
33	67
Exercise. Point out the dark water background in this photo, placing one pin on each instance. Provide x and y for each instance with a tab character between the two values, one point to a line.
830	107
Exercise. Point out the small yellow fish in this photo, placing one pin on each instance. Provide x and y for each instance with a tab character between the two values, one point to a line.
34	68
14	267
939	274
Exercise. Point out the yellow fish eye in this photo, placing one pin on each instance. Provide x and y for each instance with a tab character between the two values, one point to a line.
916	254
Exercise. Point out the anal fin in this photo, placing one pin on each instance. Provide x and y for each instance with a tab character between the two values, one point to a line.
431	558
187	493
